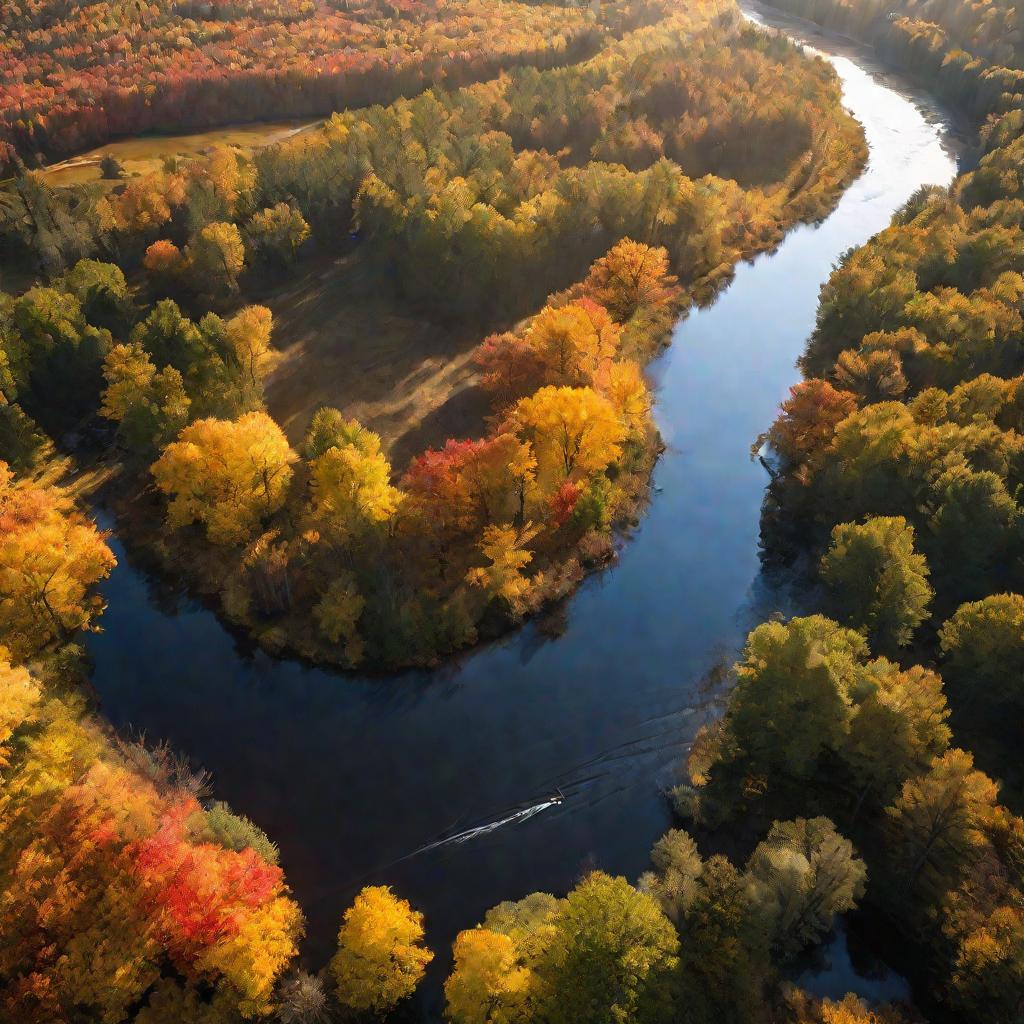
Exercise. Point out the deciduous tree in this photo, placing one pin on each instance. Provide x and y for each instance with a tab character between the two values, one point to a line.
804	874
488	985
879	583
150	408
228	475
983	643
629	276
575	432
381	956
50	559
938	822
611	956
216	257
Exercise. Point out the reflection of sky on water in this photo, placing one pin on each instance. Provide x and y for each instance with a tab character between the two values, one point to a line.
350	774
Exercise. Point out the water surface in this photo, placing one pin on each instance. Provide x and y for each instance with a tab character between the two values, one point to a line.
351	775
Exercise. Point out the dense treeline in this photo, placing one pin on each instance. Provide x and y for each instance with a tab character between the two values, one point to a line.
968	50
76	75
897	482
478	203
126	891
816	723
528	178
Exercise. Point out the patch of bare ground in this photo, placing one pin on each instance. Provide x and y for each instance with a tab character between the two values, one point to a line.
345	342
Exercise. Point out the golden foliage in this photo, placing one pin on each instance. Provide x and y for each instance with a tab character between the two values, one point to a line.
228	475
381	956
50	558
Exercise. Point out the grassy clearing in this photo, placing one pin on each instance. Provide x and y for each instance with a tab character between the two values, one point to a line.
344	342
145	154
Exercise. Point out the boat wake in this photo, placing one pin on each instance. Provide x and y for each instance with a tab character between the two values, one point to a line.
469	834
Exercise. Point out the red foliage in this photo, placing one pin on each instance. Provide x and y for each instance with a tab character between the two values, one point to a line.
509	365
200	892
436	473
564	500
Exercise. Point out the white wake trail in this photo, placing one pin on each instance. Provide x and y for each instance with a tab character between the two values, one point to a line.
482	830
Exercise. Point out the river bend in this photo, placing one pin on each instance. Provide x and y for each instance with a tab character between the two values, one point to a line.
352	775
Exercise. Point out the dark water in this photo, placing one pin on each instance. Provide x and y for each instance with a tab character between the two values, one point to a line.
349	775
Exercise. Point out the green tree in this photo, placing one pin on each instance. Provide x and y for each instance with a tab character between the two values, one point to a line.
150	408
677	869
64	355
792	698
803	873
878	582
983	643
103	292
973	528
611	956
723	952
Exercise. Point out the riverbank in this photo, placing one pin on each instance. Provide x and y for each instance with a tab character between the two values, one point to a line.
424	565
351	773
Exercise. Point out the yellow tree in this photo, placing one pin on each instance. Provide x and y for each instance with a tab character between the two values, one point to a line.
19	695
487	985
143	204
231	178
351	484
216	257
381	956
623	384
50	559
277	232
248	333
631	275
250	960
574	341
228	475
128	371
575	431
504	547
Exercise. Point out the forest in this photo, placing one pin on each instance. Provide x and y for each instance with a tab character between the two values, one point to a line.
75	75
562	186
467	202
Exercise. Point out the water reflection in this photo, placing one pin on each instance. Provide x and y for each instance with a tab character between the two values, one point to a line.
842	965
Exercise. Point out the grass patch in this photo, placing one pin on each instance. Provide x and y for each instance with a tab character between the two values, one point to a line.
146	153
345	341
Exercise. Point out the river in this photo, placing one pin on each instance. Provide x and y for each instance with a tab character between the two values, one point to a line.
351	775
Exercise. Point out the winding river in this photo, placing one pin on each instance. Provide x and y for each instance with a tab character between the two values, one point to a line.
516	768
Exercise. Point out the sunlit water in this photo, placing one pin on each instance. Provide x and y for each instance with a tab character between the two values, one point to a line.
531	760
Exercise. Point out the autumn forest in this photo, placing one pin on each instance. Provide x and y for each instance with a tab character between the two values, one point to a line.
376	337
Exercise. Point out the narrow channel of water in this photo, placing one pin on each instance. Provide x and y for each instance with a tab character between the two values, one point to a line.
561	745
